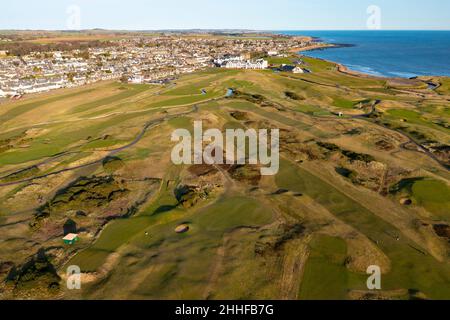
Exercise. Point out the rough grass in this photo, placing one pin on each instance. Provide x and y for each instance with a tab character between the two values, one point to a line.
410	267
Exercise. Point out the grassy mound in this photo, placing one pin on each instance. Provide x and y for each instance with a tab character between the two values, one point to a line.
86	193
36	274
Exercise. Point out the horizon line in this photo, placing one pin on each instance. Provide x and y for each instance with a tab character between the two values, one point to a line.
218	29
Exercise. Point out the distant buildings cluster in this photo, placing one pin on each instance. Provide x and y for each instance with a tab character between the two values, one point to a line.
137	60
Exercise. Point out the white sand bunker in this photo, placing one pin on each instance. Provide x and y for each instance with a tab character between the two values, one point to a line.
183	228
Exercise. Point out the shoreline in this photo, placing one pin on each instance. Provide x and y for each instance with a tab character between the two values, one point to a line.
342	68
346	70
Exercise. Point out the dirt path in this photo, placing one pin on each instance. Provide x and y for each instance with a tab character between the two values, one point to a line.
292	273
216	269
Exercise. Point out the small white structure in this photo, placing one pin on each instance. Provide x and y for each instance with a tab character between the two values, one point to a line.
298	70
2	93
272	53
71	238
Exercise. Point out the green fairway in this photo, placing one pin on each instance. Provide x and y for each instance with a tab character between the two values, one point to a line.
434	196
343	103
97	161
61	136
325	276
23	108
128	91
232	212
409	266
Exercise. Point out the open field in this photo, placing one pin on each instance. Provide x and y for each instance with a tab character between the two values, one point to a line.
368	188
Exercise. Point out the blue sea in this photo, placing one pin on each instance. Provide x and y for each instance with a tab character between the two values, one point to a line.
387	53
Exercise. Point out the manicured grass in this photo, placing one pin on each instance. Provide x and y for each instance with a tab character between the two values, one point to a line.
343	103
185	100
115	235
410	267
434	196
325	276
196	85
317	65
157	262
102	144
182	123
23	108
224	215
128	91
24	155
280	60
413	117
90	260
120	232
409	115
61	136
312	110
239	84
233	212
180	265
244	105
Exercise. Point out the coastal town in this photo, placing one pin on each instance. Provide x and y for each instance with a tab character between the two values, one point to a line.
137	60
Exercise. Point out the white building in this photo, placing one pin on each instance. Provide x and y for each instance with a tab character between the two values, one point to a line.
10	92
259	64
298	70
222	61
2	93
136	79
43	87
272	53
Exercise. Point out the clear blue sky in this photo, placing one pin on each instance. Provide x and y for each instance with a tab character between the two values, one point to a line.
248	14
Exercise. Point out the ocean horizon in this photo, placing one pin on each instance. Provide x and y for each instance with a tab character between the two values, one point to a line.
386	53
